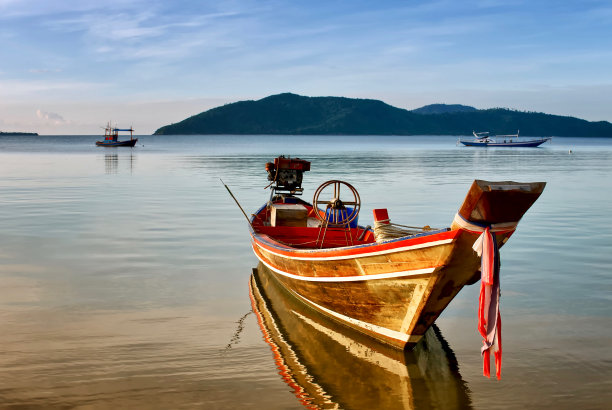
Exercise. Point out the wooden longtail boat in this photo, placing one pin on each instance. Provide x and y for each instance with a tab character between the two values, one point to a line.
325	365
111	137
390	282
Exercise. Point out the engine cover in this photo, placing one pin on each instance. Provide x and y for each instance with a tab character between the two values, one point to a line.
286	173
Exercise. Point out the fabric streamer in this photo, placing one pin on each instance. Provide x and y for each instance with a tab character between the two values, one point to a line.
489	318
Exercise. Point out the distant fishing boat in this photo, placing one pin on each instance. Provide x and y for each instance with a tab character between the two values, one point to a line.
391	282
484	139
111	137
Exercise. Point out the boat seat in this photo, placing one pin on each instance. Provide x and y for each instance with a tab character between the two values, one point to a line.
288	215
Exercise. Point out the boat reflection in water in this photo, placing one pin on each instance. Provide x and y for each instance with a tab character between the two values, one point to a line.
331	366
111	163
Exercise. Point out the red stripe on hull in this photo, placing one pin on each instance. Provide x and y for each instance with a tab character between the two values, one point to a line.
266	242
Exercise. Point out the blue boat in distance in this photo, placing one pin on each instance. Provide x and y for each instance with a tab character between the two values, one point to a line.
484	139
111	137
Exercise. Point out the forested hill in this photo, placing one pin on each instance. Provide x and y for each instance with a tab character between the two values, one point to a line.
13	134
293	114
444	109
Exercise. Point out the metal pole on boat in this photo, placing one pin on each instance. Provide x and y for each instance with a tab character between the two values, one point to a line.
237	203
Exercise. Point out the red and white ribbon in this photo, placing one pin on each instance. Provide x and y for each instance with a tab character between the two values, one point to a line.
489	318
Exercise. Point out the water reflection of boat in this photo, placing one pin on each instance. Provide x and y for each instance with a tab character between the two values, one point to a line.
111	137
485	139
111	162
328	366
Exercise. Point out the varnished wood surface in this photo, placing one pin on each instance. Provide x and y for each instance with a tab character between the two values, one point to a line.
408	305
497	202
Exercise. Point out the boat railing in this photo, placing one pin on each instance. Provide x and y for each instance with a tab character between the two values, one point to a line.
508	136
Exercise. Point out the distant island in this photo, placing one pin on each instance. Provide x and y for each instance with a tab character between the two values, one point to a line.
2	133
292	114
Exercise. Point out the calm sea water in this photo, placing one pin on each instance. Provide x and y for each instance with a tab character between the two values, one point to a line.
124	277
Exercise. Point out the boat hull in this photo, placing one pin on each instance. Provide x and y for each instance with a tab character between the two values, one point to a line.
128	143
530	143
392	292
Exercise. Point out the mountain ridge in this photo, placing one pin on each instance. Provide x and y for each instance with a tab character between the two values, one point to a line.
292	114
443	109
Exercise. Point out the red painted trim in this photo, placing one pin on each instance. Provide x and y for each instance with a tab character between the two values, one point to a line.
381	215
268	243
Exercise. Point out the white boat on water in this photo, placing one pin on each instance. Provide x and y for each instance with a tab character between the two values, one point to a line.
485	139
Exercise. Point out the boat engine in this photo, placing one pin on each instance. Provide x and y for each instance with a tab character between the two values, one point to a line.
285	174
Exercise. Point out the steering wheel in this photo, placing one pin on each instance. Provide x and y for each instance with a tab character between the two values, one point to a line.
340	215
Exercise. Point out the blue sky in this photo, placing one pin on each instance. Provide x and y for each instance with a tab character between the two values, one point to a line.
68	67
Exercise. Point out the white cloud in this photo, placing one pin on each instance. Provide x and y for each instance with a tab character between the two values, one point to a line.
51	117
